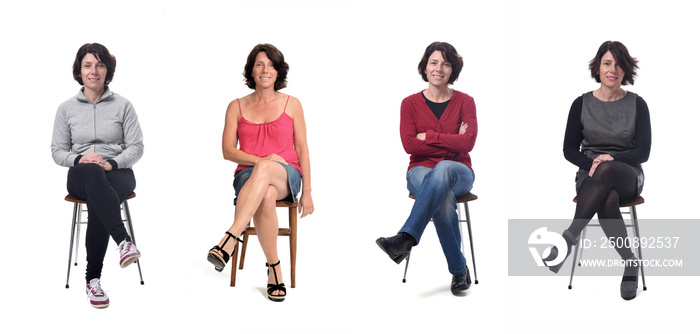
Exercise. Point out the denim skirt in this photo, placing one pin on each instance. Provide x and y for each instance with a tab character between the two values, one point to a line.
293	180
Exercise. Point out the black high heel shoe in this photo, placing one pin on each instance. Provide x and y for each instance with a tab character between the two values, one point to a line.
275	287
220	260
397	247
630	283
571	241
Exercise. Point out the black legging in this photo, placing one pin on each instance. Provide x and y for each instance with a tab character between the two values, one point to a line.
612	182
104	192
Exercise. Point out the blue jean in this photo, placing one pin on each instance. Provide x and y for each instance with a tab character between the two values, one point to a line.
436	191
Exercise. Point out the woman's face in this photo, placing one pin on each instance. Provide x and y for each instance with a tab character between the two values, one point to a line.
264	72
610	73
93	72
438	70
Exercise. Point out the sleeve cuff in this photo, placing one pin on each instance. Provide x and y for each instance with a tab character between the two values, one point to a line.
113	163
431	137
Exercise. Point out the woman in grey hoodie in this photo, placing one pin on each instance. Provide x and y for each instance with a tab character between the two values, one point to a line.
97	135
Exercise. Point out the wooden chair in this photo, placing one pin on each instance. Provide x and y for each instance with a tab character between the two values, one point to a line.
634	223
290	232
80	207
464	200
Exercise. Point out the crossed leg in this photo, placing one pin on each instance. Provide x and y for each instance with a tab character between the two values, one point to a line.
257	199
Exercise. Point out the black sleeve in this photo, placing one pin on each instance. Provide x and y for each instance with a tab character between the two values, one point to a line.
574	136
642	137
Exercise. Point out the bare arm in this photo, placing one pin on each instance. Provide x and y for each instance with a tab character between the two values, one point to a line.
306	203
229	142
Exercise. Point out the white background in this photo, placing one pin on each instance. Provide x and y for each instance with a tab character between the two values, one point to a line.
351	64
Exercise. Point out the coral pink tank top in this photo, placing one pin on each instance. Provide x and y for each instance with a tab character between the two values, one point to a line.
263	139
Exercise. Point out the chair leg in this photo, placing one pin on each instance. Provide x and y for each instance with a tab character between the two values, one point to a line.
406	269
577	249
635	223
244	246
580	254
234	263
125	209
72	238
471	240
293	244
78	222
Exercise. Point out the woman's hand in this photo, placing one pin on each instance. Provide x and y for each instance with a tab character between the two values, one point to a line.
94	158
597	161
91	158
106	166
275	157
306	205
463	128
421	136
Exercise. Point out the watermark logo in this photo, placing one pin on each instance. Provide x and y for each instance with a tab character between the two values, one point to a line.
543	237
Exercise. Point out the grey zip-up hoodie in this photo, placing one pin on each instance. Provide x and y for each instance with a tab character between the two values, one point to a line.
109	128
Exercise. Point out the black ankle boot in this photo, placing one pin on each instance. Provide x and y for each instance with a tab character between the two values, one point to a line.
397	247
571	241
630	283
460	283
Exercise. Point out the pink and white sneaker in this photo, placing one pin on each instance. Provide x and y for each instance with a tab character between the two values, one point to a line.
98	298
128	253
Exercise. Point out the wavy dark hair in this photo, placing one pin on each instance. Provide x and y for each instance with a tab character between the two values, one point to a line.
100	52
627	63
449	53
277	59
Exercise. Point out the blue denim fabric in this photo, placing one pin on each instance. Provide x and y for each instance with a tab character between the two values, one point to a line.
436	191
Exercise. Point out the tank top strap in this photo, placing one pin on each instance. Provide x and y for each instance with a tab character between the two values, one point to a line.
239	106
285	104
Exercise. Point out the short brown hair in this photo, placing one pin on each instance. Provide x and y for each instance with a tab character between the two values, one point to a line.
627	63
277	59
100	52
449	53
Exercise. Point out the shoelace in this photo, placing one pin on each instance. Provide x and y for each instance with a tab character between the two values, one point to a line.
96	290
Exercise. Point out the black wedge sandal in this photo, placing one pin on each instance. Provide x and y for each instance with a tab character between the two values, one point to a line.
217	259
275	287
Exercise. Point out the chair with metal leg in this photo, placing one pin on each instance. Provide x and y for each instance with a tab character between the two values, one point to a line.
467	219
634	224
80	207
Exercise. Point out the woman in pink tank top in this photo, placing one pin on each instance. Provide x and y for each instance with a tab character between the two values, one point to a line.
265	134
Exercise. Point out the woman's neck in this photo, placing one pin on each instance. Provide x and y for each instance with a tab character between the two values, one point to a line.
438	94
264	95
609	94
93	95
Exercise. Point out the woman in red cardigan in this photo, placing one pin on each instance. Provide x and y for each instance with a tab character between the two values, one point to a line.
438	130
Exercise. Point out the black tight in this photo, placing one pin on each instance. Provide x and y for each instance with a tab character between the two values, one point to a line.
613	182
104	193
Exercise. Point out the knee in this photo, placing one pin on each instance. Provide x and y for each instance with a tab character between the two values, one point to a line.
602	171
262	169
93	172
442	170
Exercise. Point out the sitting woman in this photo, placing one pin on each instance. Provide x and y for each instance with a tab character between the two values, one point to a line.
273	159
97	134
608	136
438	130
